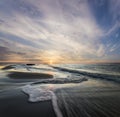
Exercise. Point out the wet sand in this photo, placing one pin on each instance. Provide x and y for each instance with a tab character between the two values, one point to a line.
15	103
91	99
88	99
29	75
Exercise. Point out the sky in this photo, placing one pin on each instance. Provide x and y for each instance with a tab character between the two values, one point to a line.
60	31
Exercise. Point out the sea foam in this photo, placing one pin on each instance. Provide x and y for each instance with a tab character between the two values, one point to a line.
45	91
42	94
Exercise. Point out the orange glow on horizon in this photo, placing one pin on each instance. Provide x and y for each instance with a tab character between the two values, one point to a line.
58	60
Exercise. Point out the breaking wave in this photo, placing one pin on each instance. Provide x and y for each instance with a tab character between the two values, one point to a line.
109	77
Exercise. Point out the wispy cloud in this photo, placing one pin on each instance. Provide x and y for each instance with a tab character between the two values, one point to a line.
58	30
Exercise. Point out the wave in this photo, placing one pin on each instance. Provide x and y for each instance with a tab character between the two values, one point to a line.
62	80
25	66
109	77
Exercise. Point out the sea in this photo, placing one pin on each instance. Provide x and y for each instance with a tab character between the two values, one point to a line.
76	90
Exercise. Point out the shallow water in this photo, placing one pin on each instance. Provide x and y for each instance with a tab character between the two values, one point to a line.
91	98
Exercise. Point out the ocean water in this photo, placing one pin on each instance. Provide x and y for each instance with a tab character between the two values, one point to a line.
103	71
76	90
108	68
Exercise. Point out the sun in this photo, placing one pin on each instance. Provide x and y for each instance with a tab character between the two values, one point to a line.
51	62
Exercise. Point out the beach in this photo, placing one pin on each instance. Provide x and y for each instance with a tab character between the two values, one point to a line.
31	94
73	102
59	58
93	100
15	104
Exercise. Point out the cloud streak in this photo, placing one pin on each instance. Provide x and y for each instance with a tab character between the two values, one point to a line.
54	30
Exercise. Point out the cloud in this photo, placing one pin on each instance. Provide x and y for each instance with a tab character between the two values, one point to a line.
58	29
6	54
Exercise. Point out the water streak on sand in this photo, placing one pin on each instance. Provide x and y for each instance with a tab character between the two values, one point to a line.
44	92
39	94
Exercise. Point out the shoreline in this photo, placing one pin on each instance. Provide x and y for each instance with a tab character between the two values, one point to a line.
15	104
96	98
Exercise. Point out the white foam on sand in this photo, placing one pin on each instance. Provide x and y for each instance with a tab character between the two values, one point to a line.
39	91
42	94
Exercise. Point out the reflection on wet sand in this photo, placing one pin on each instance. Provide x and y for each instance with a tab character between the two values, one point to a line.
90	99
